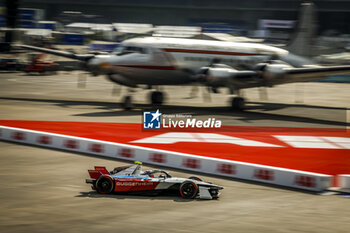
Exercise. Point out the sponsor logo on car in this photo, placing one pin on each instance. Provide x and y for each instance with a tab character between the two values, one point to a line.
134	183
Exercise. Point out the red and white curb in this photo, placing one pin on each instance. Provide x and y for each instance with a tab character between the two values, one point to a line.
227	168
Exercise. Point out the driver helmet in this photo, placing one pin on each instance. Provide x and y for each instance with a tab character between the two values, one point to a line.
148	173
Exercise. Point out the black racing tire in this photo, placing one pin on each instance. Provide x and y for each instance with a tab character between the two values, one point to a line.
195	178
188	190
238	104
157	97
104	184
127	103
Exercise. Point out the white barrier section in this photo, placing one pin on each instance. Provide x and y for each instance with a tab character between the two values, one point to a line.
247	171
344	181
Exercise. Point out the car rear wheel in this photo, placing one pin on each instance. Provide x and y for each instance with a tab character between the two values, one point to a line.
188	190
104	184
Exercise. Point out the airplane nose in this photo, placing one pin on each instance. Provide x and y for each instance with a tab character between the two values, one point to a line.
99	66
104	65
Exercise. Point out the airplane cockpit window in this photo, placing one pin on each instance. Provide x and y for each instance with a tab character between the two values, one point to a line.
122	50
118	50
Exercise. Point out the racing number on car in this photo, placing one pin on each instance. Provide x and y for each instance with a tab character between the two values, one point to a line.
157	157
264	174
226	168
19	136
126	153
191	163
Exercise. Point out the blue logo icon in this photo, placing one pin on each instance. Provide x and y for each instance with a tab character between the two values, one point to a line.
151	120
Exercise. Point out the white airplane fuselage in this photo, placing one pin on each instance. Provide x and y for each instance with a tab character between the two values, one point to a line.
170	61
154	61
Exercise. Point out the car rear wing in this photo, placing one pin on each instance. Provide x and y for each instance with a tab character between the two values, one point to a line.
94	174
103	170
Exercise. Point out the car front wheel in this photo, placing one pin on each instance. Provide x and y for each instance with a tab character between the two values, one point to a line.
188	190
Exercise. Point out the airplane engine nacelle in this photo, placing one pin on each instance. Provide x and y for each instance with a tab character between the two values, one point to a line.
219	76
272	73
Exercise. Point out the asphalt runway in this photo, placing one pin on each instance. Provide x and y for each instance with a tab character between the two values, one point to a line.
44	191
57	97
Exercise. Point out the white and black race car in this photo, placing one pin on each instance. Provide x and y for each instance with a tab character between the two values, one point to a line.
131	179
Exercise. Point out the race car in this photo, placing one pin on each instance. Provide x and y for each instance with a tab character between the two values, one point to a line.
131	179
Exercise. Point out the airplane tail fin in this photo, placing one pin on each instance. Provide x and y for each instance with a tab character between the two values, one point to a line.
303	38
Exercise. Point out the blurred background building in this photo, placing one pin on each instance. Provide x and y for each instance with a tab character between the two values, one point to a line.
84	21
242	16
99	26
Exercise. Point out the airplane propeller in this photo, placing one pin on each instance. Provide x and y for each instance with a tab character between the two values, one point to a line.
299	93
202	77
117	89
206	95
82	75
82	78
263	70
87	70
220	75
263	93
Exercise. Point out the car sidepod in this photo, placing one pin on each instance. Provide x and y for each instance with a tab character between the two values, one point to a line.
134	184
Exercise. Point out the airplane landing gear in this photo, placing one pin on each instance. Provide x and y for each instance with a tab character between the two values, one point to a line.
238	103
157	97
127	102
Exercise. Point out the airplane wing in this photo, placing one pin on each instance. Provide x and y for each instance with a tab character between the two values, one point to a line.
270	75
313	73
285	75
81	57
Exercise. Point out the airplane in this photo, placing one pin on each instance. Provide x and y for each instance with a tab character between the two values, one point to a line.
156	61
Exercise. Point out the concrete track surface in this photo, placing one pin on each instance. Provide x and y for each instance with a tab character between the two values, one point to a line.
44	191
